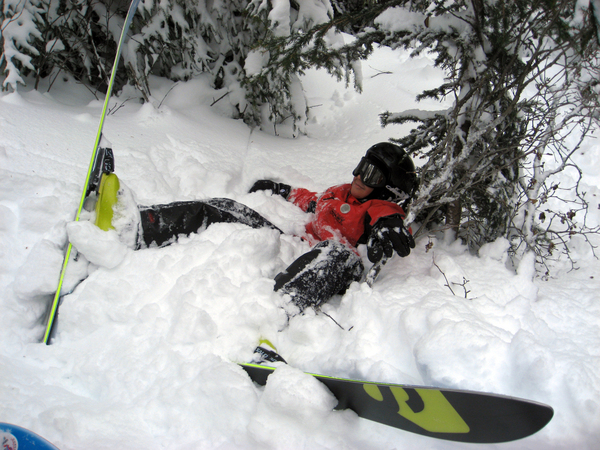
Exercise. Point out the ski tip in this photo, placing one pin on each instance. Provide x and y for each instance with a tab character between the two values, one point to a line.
107	198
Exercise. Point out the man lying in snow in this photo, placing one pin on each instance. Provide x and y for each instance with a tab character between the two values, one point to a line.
366	211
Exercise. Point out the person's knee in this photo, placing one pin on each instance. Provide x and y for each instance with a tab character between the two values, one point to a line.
328	269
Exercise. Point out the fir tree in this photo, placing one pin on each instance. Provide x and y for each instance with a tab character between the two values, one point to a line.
19	35
274	91
176	39
484	156
45	37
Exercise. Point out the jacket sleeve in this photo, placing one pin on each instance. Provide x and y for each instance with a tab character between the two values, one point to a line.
383	208
303	198
379	209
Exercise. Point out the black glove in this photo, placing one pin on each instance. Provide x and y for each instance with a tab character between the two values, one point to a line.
268	185
387	235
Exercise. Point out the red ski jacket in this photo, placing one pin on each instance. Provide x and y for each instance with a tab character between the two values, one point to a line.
339	215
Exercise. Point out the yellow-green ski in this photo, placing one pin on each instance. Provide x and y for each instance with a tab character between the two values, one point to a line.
451	414
89	181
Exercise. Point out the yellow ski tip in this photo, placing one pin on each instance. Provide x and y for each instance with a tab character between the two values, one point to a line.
107	197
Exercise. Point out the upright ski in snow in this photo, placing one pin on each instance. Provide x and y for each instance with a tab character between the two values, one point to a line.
92	182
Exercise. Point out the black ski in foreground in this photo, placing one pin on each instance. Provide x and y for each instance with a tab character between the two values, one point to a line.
455	415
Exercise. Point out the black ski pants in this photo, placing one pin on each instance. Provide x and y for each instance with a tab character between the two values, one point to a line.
161	224
312	279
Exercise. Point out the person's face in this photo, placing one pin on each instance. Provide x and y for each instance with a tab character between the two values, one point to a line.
359	190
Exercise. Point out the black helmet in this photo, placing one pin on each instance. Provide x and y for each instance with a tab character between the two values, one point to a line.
389	170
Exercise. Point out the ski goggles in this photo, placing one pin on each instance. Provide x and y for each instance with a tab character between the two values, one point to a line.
371	175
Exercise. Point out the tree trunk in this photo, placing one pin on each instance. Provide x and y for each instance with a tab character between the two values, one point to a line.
453	215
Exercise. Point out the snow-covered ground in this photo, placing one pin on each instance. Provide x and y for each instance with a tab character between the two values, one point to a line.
142	358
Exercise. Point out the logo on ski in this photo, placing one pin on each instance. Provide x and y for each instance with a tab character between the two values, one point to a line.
428	409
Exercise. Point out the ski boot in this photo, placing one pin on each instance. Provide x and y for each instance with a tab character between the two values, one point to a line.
265	352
